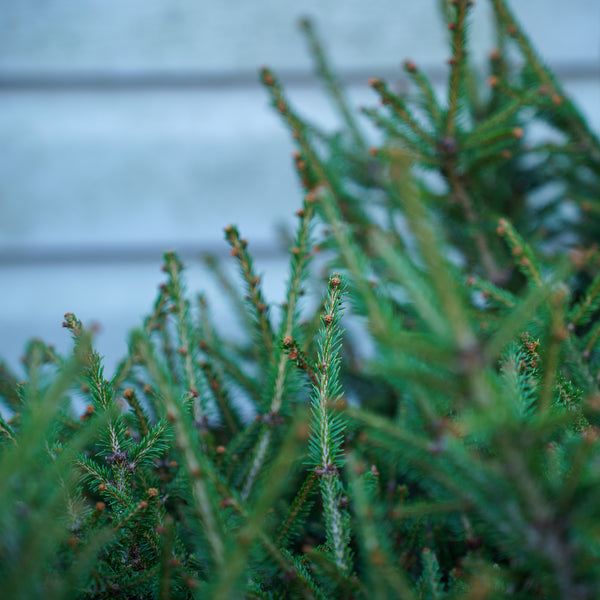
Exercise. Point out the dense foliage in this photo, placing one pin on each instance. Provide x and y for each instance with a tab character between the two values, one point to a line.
445	448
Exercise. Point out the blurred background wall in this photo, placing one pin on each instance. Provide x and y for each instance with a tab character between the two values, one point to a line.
128	127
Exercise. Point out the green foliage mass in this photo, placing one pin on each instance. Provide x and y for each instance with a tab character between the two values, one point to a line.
457	458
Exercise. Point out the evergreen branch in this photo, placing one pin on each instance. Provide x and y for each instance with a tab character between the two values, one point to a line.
187	338
192	455
482	130
492	291
380	567
8	387
152	445
258	460
297	508
592	339
416	150
558	333
520	250
430	102
400	109
457	64
333	84
445	286
431	580
355	263
299	265
142	418
214	349
253	525
7	431
545	76
255	296
221	396
490	141
298	357
327	431
582	312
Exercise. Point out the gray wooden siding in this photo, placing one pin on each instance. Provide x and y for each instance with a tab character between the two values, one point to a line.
128	127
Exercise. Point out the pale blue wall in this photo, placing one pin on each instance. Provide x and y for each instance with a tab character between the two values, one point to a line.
96	181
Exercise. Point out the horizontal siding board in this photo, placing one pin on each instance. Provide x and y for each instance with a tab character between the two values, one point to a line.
234	35
156	169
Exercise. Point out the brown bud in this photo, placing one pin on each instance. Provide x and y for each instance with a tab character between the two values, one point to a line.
451	26
293	354
101	487
557	99
517	250
328	319
142	505
100	506
377	558
506	154
335	281
495	54
493	81
561	333
288	340
281	106
311	197
511	29
220	449
152	492
89	409
410	66
374	81
147	388
518	133
373	151
128	393
267	78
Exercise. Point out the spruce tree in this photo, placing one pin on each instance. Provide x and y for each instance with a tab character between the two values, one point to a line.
456	459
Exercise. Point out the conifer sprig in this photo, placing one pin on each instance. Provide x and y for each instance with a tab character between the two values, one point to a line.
475	401
327	431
